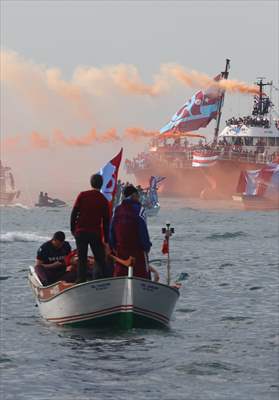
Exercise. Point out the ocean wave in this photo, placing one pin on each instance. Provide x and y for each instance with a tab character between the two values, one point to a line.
17	205
10	237
208	368
226	235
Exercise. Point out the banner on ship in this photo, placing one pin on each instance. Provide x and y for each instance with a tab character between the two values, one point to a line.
261	182
204	158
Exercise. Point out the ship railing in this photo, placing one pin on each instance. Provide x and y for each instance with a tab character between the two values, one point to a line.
184	159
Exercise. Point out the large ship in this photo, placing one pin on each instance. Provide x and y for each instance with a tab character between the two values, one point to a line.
8	192
210	170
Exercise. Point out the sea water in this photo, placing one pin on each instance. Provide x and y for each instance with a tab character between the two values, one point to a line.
223	340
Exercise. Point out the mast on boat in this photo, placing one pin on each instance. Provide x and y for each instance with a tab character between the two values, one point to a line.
168	231
224	75
264	102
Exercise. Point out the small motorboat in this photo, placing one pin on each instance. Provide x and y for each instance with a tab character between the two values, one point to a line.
121	302
46	201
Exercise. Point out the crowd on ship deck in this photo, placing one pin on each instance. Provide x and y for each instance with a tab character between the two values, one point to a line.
181	152
249	121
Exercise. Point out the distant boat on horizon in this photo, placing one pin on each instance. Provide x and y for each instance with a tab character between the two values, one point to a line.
8	192
45	201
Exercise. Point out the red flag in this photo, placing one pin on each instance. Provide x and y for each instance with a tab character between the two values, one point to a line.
110	173
165	247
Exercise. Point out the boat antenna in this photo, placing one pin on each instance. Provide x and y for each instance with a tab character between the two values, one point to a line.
262	108
224	75
168	231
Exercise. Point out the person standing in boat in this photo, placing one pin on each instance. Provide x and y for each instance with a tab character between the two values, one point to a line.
50	265
129	234
90	219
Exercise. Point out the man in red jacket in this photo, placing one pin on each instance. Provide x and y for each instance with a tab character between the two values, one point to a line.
129	234
89	222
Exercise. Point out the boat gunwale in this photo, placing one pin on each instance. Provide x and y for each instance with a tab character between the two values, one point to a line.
30	275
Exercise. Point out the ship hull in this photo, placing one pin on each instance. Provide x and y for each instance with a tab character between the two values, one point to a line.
216	182
7	198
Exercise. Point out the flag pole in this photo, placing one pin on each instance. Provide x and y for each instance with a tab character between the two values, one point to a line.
168	232
224	75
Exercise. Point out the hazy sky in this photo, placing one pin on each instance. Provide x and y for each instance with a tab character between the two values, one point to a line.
64	66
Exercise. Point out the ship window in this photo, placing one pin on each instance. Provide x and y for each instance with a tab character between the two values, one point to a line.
248	141
271	141
277	141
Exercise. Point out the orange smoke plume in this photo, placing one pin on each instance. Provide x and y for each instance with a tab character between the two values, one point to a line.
38	141
11	142
127	78
171	134
40	85
85	140
139	133
237	86
124	77
108	136
197	79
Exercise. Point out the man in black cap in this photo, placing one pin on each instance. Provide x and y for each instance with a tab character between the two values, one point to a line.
50	265
90	226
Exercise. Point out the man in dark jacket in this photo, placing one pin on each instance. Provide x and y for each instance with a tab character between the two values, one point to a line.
90	226
129	235
50	265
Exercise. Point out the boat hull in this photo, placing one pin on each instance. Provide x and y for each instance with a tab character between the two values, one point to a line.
216	182
118	302
256	203
7	198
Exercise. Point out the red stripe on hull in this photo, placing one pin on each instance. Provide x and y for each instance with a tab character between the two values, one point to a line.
108	311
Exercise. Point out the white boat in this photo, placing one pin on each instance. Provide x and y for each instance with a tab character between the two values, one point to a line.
8	192
121	302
